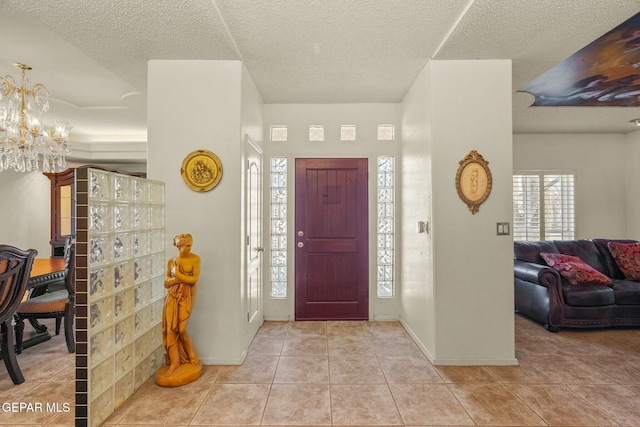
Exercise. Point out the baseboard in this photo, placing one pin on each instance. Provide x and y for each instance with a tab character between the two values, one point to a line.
475	362
288	318
385	318
213	361
416	340
277	318
457	362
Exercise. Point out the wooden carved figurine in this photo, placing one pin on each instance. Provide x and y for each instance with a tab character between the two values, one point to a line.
182	364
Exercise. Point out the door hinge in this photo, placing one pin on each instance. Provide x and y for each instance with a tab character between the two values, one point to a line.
248	240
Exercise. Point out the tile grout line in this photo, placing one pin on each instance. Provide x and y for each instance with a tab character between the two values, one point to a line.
594	406
206	395
329	382
525	403
275	371
266	402
404	422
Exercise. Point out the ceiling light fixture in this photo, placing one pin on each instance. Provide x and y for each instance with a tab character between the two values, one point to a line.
24	141
635	122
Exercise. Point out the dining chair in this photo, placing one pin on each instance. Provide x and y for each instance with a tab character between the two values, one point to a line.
59	305
69	240
15	269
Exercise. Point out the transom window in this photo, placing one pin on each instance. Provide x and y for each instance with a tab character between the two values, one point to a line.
386	132
347	133
279	133
316	133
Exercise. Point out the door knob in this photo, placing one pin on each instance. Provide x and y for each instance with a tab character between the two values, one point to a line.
300	233
300	245
260	249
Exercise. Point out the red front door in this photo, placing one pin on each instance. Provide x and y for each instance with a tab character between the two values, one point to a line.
332	241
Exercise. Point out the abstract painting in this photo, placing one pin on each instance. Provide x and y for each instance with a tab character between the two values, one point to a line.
604	73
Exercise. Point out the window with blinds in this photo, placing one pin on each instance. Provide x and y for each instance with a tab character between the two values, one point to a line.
543	206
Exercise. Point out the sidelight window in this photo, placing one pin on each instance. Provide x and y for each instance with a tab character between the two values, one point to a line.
386	226
278	227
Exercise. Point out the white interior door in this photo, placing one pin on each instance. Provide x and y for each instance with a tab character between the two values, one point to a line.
255	249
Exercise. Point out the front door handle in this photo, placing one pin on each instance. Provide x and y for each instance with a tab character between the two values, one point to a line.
300	245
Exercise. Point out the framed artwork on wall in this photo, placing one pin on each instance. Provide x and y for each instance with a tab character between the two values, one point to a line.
473	180
201	170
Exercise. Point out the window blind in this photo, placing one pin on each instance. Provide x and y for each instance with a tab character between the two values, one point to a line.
543	206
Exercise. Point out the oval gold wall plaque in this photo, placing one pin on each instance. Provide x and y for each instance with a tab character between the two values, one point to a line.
473	180
201	170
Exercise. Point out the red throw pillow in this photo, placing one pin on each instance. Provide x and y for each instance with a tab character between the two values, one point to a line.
575	270
627	256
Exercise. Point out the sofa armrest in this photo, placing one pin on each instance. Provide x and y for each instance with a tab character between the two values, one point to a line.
536	273
530	278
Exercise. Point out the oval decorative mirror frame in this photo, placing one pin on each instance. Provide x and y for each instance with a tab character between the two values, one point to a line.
473	180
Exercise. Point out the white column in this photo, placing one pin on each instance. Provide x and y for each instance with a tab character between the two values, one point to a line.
473	267
459	305
196	105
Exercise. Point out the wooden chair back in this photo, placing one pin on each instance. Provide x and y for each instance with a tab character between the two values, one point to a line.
70	266
15	269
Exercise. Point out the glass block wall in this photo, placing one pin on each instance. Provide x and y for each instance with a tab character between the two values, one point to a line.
120	288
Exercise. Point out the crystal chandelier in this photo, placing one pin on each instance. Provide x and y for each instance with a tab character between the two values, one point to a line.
25	143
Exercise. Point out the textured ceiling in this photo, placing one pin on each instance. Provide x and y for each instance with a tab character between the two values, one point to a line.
92	55
336	51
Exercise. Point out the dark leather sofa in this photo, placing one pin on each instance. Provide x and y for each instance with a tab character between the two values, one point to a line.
542	294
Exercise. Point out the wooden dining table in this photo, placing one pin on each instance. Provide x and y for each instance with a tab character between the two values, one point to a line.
44	273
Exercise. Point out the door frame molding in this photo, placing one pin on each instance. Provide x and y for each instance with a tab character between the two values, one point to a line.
246	314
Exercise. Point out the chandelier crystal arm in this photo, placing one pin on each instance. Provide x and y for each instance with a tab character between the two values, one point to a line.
24	140
6	86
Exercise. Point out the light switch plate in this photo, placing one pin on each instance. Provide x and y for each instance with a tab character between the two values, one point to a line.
502	229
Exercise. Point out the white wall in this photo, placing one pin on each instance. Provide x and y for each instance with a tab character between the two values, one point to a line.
197	105
467	107
417	294
601	184
252	109
26	210
473	266
298	117
632	180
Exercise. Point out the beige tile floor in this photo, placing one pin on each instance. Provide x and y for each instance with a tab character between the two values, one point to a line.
49	372
371	373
